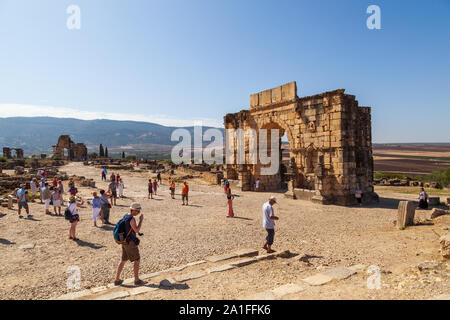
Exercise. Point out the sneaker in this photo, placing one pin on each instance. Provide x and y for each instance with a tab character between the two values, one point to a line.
139	282
118	282
30	216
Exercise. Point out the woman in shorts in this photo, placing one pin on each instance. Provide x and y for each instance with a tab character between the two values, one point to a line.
74	217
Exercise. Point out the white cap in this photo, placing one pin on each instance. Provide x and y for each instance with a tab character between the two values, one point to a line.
272	198
136	206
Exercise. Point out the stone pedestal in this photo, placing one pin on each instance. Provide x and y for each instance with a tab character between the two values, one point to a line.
405	215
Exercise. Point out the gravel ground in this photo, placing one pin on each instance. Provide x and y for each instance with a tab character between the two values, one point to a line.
176	234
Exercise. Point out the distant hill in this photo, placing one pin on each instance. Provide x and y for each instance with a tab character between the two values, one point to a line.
38	134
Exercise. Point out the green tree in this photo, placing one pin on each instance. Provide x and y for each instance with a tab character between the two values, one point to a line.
101	151
123	155
106	152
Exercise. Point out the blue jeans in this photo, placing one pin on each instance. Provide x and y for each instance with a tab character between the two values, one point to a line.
270	236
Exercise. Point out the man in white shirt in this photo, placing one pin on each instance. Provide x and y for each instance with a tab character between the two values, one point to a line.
268	222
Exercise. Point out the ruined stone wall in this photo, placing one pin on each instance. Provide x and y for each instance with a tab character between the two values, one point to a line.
75	151
7	153
329	136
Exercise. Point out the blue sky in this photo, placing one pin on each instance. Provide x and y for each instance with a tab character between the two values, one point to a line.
174	62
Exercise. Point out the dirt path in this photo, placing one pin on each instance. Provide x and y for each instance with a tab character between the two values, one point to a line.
175	235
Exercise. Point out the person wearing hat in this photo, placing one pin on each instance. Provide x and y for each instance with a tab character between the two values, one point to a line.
22	200
74	217
268	222
130	250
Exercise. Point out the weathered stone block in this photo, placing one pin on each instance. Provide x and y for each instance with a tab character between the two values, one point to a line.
405	215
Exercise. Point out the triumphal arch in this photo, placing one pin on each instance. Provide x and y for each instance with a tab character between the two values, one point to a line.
330	145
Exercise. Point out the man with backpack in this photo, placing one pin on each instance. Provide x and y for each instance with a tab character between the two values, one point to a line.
125	234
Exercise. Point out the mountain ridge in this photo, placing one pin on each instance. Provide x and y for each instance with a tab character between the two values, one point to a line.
39	134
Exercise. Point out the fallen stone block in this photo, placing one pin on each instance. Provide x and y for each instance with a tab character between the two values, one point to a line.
317	280
113	295
243	262
221	268
339	273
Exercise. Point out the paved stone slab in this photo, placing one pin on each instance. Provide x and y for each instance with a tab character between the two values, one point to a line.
266	295
247	253
288	289
339	273
140	290
317	280
221	268
243	262
180	268
150	275
195	263
75	295
190	276
99	289
221	257
113	295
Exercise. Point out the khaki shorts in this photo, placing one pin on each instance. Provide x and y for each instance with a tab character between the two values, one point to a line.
130	252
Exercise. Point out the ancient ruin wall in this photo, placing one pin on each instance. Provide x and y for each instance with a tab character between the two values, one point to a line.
330	142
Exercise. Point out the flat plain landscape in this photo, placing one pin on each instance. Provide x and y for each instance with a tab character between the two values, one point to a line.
411	159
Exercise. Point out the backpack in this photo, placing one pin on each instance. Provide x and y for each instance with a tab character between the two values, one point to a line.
67	214
120	229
